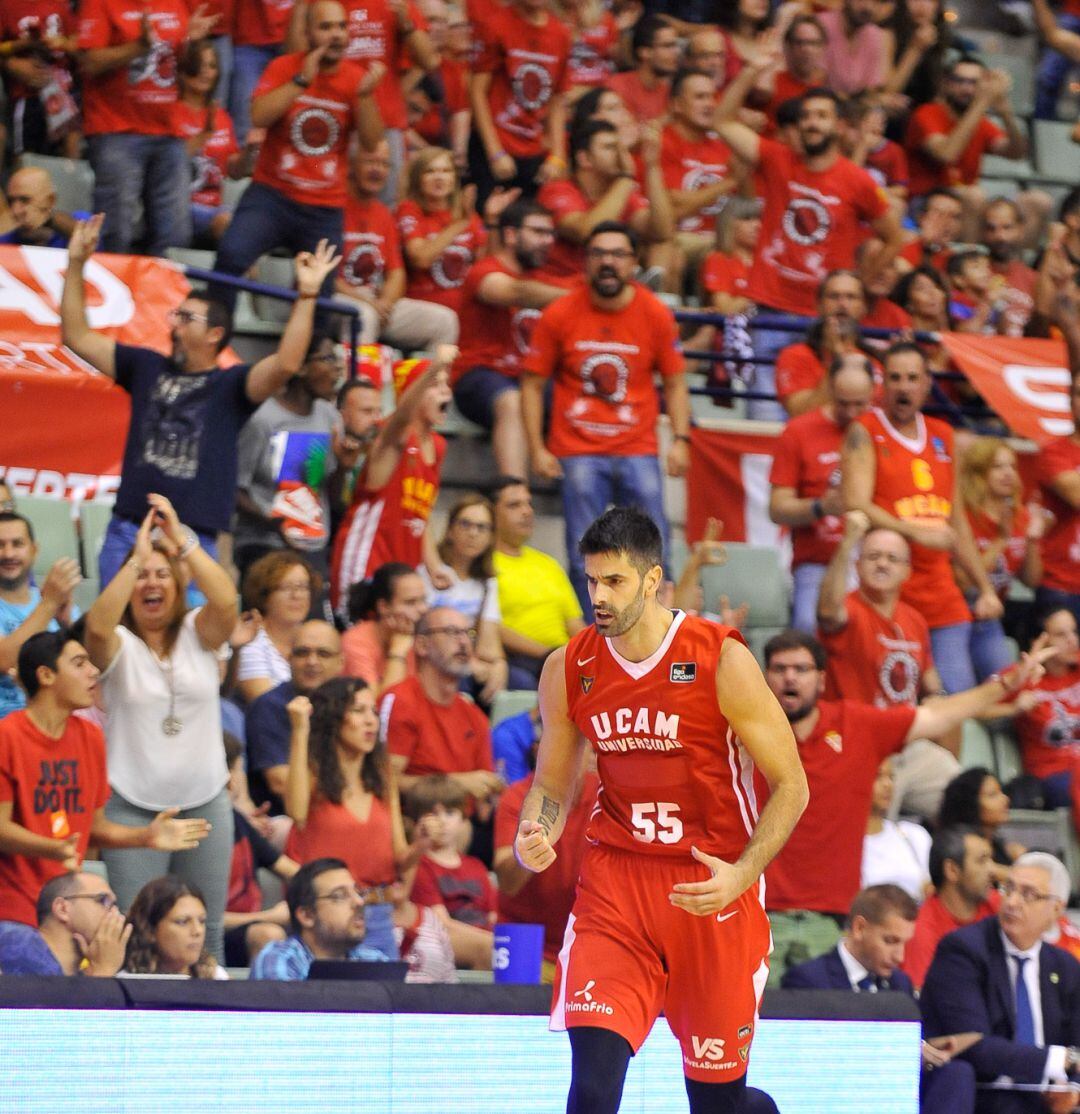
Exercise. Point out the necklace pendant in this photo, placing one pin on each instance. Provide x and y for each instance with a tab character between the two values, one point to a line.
171	725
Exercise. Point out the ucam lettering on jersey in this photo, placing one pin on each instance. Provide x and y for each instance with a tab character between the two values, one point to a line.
64	422
644	729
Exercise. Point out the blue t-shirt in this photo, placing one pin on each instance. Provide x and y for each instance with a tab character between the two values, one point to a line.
56	240
266	726
23	951
511	741
12	616
182	438
291	959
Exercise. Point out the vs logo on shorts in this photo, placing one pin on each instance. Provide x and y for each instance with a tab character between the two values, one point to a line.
683	672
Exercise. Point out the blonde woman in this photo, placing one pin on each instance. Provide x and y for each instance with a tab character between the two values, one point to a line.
1007	535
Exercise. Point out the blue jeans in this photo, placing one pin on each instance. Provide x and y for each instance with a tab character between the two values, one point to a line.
1053	70
767	343
266	219
990	652
380	929
807	580
119	538
223	48
590	485
153	169
391	194
248	63
952	656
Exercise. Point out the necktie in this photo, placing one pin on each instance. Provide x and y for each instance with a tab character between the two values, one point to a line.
1025	1019
869	983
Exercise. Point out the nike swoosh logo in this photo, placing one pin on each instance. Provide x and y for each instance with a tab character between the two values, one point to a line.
721	917
585	661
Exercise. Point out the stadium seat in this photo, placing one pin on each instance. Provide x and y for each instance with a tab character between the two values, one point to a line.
73	179
756	637
752	574
231	190
1000	187
1021	67
54	530
1051	831
274	271
511	702
1056	156
93	522
977	746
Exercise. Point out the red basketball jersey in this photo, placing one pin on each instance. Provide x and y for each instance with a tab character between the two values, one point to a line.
672	772
915	482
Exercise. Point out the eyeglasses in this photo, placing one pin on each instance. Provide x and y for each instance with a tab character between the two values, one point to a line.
311	651
106	901
1027	895
342	894
618	254
798	670
453	632
545	231
185	317
473	527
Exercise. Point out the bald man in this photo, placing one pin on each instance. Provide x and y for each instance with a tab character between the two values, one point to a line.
707	51
315	657
31	198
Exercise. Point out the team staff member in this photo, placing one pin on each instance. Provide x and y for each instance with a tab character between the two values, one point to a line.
601	345
669	899
899	469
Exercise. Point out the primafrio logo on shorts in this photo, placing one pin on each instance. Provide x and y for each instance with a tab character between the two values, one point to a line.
585	1002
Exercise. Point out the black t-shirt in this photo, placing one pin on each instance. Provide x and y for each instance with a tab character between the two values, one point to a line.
181	441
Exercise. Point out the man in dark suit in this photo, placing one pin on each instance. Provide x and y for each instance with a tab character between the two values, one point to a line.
867	960
998	978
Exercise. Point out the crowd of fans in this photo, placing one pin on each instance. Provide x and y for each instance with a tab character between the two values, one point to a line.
456	173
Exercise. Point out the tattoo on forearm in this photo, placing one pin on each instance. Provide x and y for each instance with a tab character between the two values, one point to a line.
549	814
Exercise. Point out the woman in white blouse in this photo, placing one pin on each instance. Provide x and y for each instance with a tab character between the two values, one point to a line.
896	851
466	549
159	685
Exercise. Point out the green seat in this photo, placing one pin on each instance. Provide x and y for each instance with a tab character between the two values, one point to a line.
511	702
1055	153
752	575
977	746
72	178
93	522
54	530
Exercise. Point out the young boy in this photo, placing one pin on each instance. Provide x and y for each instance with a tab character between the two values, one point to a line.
456	886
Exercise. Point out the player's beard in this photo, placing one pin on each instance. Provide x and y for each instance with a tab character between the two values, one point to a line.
801	712
622	621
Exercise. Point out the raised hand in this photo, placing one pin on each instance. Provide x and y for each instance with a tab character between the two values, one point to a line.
201	23
105	952
309	68
165	516
313	267
498	202
84	239
299	710
856	525
376	71
144	546
166	833
532	848
63	578
247	627
67	853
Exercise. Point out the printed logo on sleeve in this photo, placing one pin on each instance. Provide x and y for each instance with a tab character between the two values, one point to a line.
683	672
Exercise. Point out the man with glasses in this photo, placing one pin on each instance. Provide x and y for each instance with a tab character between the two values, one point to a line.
315	657
428	726
501	299
602	346
804	62
326	912
81	931
53	786
812	881
186	413
999	978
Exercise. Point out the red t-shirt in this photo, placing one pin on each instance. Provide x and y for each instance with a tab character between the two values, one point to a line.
304	155
528	65
442	282
372	246
434	124
1014	285
643	104
548	897
592	53
603	363
915	482
888	164
1049	733
673	774
55	786
725	274
812	222
986	532
141	96
335	831
915	253
797	369
691	164
373	37
886	315
820	866
787	87
261	22
465	890
208	167
45	19
491	336
933	922
927	173
807	458
1061	545
562	198
877	660
449	738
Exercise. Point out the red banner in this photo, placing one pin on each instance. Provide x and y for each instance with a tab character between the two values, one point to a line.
63	423
1024	381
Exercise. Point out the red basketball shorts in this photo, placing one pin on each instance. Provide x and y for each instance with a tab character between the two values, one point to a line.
629	954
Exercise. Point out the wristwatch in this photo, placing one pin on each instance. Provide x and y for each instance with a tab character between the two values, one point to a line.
191	542
302	81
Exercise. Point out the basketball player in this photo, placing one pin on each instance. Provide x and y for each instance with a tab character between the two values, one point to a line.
669	910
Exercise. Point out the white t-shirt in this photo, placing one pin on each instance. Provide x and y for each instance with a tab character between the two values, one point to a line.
147	767
900	854
465	596
261	658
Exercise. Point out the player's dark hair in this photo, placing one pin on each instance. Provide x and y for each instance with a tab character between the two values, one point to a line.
582	136
959	260
13	516
900	348
379	587
804	20
683	76
644	34
300	892
821	93
63	885
792	639
1070	203
625	530
875	903
964	60
608	226
361	382
41	649
318	339
787	112
960	801
949	846
518	212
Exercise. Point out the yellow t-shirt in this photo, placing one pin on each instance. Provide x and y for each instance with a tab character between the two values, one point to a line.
535	596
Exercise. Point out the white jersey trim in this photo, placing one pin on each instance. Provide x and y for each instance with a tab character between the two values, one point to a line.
639	669
915	445
557	1024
